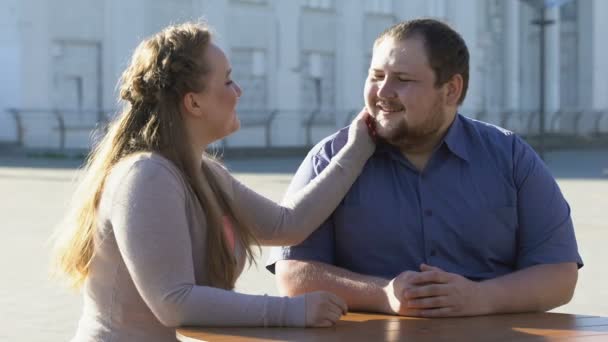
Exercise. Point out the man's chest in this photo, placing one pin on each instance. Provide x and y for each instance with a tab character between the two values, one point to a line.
445	213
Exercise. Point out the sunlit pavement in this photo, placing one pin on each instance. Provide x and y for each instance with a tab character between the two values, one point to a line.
34	193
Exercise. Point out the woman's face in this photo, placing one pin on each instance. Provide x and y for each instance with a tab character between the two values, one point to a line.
221	94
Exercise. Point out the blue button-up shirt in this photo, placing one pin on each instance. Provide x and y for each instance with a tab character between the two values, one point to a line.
485	205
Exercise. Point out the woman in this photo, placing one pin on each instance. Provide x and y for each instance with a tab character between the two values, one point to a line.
159	232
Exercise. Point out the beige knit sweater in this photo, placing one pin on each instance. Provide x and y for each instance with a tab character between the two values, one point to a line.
150	248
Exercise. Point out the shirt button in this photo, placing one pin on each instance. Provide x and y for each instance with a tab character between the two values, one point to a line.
428	212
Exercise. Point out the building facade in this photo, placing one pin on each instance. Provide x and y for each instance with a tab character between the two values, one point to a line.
302	64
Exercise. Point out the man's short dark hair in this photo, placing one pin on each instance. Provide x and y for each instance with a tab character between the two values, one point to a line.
446	50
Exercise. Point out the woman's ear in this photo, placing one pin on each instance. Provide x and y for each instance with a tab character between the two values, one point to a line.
192	103
454	90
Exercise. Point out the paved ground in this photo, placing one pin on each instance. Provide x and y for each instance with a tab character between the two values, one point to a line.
34	193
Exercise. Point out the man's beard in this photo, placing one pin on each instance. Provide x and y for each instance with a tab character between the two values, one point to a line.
401	134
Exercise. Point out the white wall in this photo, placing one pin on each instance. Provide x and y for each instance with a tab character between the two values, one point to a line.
45	43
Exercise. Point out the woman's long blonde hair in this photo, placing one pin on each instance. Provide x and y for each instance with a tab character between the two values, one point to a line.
163	69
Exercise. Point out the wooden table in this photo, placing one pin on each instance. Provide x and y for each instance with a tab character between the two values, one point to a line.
376	327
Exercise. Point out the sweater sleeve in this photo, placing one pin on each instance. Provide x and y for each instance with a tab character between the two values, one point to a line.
302	212
149	220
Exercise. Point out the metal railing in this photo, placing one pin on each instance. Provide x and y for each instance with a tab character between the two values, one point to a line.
19	129
257	118
66	120
318	117
566	123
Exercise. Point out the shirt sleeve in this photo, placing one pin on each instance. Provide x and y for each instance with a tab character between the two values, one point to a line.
319	246
545	230
149	220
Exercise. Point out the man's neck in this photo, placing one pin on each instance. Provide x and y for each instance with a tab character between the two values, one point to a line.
420	152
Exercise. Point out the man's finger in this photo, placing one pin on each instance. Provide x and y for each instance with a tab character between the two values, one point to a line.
434	276
431	290
439	312
426	267
428	303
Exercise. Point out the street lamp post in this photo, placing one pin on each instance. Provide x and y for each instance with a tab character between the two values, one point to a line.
543	22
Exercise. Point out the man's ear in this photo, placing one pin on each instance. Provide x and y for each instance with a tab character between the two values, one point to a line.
192	104
453	90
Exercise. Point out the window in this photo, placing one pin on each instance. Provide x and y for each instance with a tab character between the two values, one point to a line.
568	12
318	83
569	58
319	4
379	6
256	2
249	71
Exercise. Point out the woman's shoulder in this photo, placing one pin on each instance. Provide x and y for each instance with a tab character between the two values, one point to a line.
141	179
146	162
141	168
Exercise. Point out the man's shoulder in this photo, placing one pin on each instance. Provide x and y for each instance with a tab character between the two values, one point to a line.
488	137
489	143
329	146
487	130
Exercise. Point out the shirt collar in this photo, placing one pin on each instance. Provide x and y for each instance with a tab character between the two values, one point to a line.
454	141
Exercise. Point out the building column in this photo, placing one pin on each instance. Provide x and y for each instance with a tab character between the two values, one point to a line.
511	56
585	50
593	67
437	9
599	62
35	60
215	14
36	75
350	58
552	62
10	59
123	31
464	17
287	128
411	9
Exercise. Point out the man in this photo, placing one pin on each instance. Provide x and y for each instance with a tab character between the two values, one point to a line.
451	216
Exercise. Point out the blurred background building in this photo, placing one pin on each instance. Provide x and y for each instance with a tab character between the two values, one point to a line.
301	63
